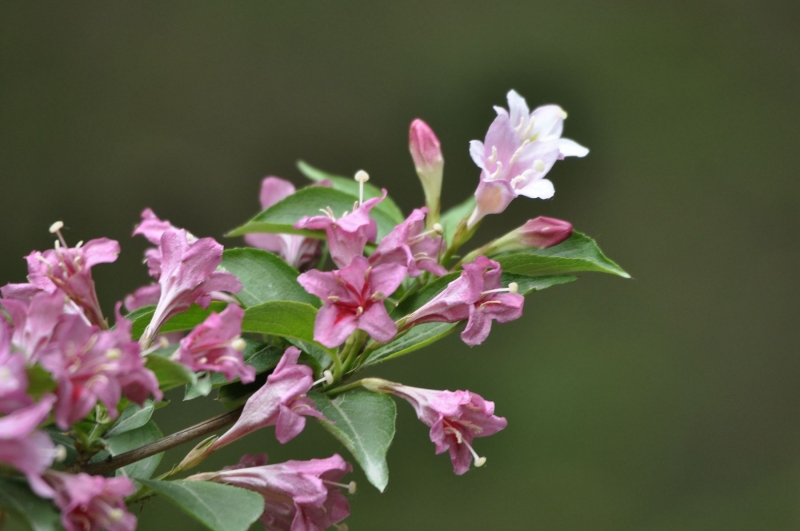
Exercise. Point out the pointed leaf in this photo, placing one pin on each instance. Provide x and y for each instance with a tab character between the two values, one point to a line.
133	417
265	277
170	374
416	338
292	320
364	422
181	322
130	440
576	254
218	507
280	217
17	498
349	185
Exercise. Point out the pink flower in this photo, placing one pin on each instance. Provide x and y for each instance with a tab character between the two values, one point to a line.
477	296
92	503
347	235
13	379
543	232
144	296
519	149
455	418
410	247
26	449
188	275
68	270
215	345
429	163
281	402
299	495
34	322
353	298
298	251
153	228
92	365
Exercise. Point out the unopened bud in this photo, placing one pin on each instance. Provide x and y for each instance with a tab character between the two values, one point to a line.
198	454
543	232
427	154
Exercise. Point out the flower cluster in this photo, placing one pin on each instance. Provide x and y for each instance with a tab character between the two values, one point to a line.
71	383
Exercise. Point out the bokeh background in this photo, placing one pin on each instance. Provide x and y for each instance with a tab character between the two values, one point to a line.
661	403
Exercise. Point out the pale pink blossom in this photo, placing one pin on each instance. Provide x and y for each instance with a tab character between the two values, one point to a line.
519	150
298	495
144	296
455	418
13	378
214	345
353	298
152	228
410	246
347	235
298	251
429	163
281	402
92	503
34	322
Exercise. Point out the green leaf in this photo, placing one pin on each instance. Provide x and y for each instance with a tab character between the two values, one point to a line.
281	216
528	285
181	322
133	417
199	388
416	338
36	513
349	185
292	320
449	220
265	277
60	437
130	440
261	356
576	254
170	374
40	381
364	422
218	507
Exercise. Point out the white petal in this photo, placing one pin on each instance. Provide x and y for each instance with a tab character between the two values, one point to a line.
538	189
570	148
478	153
500	111
517	107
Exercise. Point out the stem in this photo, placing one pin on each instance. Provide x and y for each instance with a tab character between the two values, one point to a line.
343	389
166	443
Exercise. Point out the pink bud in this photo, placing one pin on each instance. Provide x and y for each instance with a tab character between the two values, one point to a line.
543	232
428	160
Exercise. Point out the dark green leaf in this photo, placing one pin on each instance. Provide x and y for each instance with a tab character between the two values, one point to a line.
292	320
218	507
59	437
133	417
261	356
36	513
528	285
449	220
349	185
40	381
281	216
199	388
364	422
265	277
130	440
576	254
170	374
416	338
181	322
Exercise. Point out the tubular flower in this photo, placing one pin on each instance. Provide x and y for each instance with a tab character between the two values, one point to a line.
281	402
410	247
188	275
91	365
353	298
215	345
34	322
429	163
69	271
299	495
298	251
476	296
348	234
519	149
92	503
152	228
13	379
26	449
455	418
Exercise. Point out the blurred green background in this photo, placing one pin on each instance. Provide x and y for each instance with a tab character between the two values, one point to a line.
661	403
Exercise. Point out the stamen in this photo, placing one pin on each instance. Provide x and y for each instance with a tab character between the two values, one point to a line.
333	298
516	180
113	354
496	173
562	113
5	374
116	514
359	311
437	228
61	453
378	296
477	460
529	130
538	165
493	158
55	228
238	344
513	287
351	487
361	177
518	151
327	377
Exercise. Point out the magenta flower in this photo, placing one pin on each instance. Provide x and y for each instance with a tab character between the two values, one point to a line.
188	275
543	232
455	418
144	296
298	251
353	298
215	345
152	228
477	296
13	379
519	149
92	365
429	163
410	247
92	503
34	322
347	235
299	495
281	402
26	449
68	270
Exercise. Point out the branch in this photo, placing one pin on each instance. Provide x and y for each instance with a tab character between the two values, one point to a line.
166	443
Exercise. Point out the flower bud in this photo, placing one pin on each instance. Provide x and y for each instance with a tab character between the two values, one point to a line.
543	232
427	155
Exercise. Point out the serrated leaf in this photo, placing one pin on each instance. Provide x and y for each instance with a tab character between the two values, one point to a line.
292	320
578	253
36	513
449	220
416	338
218	507
130	440
264	277
280	217
170	374
133	417
350	186
365	423
181	322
